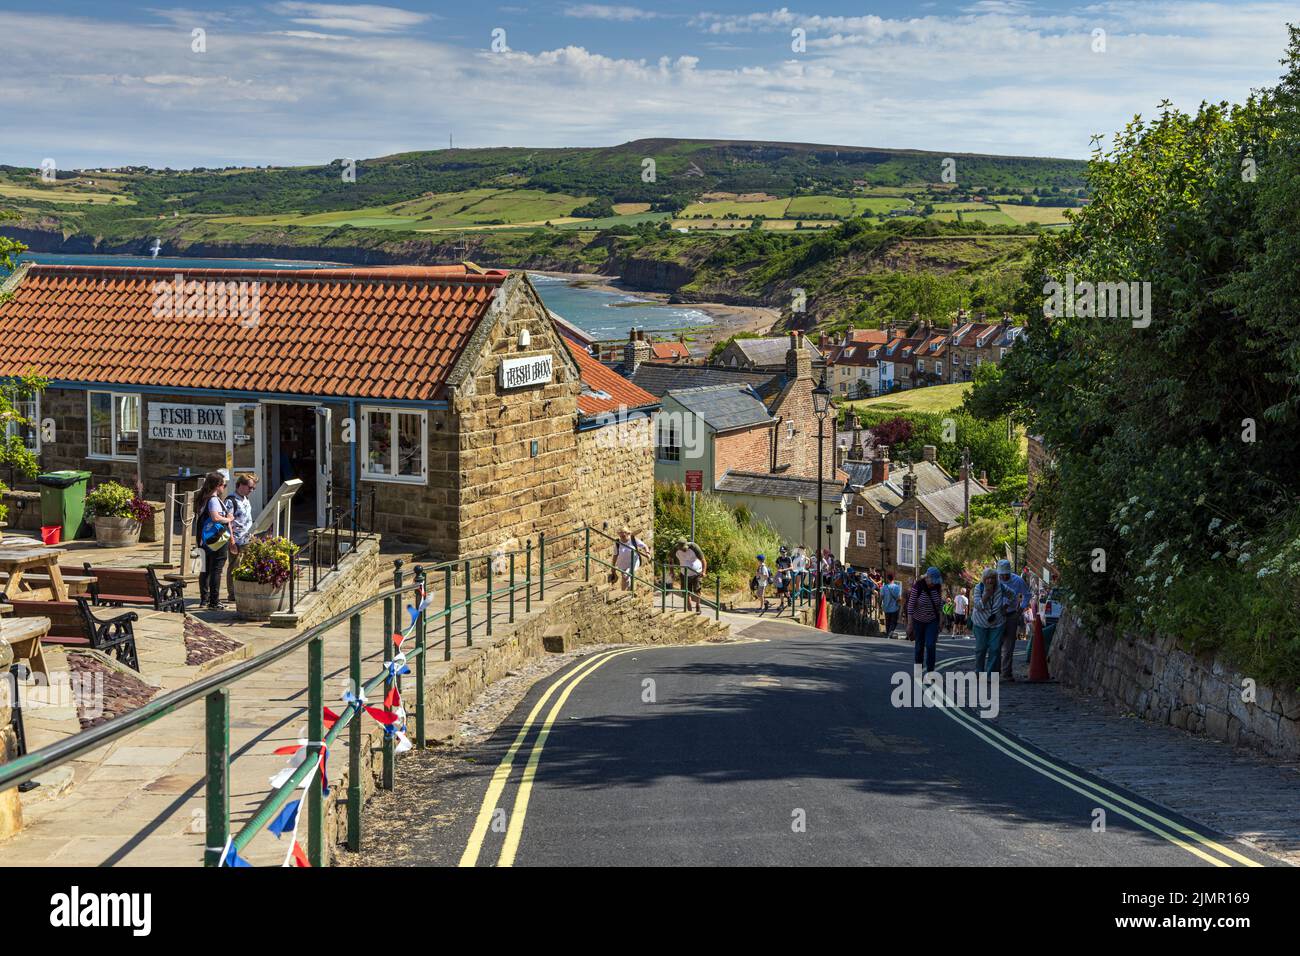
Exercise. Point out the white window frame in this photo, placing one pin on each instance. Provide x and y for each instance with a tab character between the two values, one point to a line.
861	538
366	474
112	425
904	542
672	451
11	428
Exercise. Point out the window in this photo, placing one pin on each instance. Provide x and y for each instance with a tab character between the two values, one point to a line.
394	443
669	445
859	514
29	407
906	556
114	424
862	537
920	365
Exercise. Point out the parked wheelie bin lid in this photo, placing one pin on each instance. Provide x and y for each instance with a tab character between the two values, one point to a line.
62	479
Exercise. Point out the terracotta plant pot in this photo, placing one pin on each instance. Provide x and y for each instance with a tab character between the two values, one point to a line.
257	602
116	532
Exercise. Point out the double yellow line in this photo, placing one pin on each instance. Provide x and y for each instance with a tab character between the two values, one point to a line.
501	776
1177	834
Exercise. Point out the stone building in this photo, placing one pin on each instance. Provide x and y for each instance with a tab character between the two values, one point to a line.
448	399
899	511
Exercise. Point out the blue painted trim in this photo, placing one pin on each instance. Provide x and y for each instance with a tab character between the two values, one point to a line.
353	463
235	396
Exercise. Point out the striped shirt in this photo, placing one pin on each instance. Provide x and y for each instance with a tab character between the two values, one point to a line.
923	603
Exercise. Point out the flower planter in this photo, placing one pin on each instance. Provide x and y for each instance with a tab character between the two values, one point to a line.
116	532
257	602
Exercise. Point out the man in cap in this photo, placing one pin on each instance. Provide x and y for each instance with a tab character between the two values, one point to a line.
1016	597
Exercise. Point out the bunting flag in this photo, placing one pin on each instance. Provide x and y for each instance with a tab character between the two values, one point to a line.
232	857
298	753
299	855
287	819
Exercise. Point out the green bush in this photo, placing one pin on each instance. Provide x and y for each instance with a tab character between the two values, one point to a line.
730	538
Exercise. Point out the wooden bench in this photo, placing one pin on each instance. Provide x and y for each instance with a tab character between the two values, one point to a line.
72	624
138	587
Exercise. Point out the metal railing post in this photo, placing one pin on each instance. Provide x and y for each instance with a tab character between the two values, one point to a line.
315	557
717	597
489	596
336	540
217	788
392	624
315	741
446	614
663	594
397	579
528	576
469	608
541	566
512	587
586	570
354	737
293	577
419	661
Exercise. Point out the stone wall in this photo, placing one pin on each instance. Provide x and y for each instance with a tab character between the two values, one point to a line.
1155	679
614	478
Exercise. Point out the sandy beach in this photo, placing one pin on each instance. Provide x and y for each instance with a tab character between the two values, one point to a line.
727	319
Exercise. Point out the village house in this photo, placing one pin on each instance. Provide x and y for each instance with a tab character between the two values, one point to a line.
898	511
977	342
447	396
761	355
635	363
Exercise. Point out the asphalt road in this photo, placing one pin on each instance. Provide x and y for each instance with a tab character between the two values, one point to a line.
785	749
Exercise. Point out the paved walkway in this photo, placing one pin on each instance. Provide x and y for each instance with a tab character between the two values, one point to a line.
139	800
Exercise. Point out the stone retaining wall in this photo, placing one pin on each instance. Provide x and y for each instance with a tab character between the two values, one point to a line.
1155	679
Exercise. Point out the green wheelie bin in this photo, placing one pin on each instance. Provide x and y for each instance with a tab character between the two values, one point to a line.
63	502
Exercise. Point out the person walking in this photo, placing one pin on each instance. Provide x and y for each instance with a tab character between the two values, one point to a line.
629	551
924	614
987	617
762	578
691	566
891	598
1015	598
960	610
240	508
212	532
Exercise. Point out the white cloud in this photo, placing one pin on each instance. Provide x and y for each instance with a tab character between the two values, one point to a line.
601	11
352	18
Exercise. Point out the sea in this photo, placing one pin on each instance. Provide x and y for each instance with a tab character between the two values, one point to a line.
601	313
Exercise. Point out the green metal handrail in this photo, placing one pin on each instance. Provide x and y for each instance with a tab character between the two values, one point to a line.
214	690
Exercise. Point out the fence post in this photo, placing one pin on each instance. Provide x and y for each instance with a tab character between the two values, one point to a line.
293	577
489	595
541	566
217	788
354	736
315	741
512	587
717	597
528	576
446	613
469	607
392	623
419	661
336	544
586	570
397	579
315	557
663	594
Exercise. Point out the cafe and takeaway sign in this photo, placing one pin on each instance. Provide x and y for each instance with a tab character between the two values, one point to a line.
202	423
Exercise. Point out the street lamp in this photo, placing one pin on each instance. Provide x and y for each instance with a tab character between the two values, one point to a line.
821	396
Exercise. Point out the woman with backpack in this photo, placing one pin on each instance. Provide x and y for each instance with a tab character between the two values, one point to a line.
629	551
692	567
212	532
924	614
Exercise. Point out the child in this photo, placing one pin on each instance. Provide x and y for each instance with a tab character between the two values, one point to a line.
762	577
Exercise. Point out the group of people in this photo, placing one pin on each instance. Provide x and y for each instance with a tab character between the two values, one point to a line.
223	523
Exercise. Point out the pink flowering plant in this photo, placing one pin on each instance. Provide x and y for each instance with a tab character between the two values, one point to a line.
266	560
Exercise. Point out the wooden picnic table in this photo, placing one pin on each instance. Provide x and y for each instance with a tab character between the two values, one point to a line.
24	636
17	562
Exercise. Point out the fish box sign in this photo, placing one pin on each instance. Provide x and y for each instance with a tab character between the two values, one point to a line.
522	372
202	423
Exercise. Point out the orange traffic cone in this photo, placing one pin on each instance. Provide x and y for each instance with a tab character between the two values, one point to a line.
821	613
1038	655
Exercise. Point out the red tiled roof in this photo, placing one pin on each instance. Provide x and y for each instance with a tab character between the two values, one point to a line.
668	350
386	332
601	378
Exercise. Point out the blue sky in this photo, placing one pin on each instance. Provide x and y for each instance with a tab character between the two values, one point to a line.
290	82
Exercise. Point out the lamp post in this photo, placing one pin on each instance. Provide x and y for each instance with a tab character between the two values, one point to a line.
821	396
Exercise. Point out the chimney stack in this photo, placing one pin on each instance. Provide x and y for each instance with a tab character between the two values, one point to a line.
929	453
909	485
880	467
798	360
636	351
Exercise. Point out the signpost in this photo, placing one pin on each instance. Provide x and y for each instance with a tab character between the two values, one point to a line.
694	483
198	423
531	370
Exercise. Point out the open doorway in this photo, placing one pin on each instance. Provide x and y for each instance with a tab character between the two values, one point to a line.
294	451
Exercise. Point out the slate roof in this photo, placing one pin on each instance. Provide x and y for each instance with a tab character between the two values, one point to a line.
389	333
777	486
659	379
771	351
938	491
723	407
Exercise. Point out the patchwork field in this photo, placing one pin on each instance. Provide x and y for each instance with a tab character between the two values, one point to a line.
63	194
